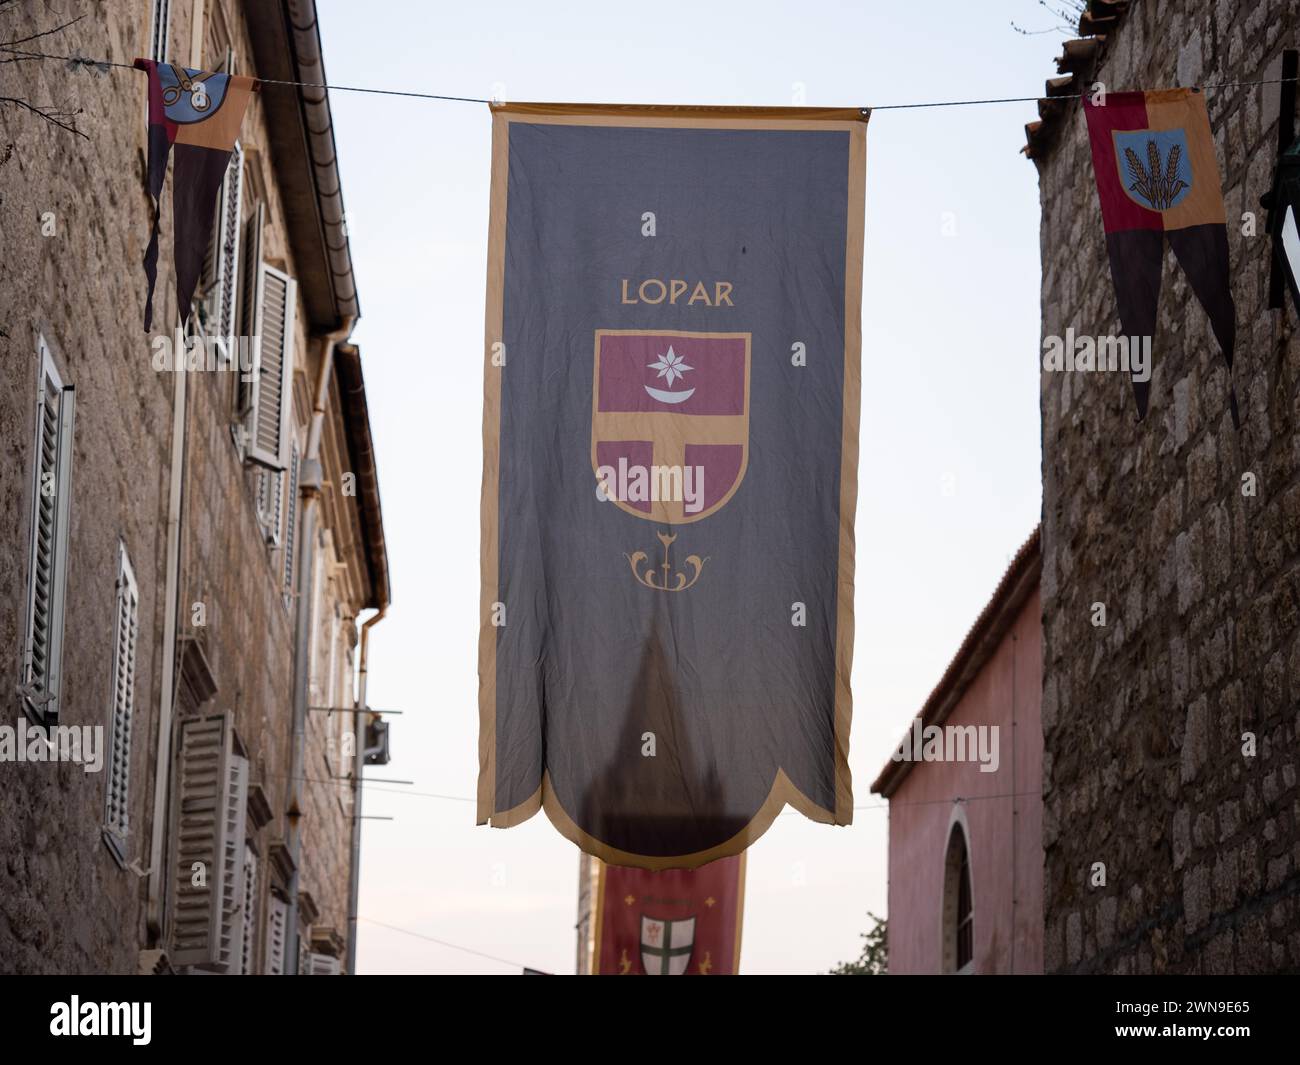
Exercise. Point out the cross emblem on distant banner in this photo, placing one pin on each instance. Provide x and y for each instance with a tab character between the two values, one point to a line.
666	945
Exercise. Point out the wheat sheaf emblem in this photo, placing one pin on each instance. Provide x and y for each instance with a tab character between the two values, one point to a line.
1158	185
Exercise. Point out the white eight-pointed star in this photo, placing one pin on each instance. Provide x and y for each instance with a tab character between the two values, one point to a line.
670	366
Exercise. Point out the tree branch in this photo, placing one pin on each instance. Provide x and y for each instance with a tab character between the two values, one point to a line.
43	33
53	117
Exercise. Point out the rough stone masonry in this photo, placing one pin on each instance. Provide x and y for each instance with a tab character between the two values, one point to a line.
1144	716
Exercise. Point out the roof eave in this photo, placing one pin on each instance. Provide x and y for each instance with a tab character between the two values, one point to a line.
992	625
287	47
361	448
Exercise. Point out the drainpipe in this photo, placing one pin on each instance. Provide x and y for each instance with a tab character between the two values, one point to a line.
171	593
359	749
167	695
309	483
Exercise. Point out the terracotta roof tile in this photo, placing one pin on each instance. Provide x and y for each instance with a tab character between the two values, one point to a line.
1076	63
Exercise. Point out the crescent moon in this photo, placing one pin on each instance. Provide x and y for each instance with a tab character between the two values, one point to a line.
668	397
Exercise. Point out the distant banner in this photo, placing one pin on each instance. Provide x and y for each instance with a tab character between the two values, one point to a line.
1157	177
670	436
680	922
198	113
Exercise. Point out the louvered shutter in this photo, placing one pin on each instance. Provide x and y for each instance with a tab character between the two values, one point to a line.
249	276
204	758
291	526
48	560
321	965
272	385
159	27
221	266
235	809
249	930
277	927
122	708
270	503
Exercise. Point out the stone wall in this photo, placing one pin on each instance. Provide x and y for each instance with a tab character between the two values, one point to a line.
64	900
66	904
1143	718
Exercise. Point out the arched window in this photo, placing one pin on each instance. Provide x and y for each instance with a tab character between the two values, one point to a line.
958	907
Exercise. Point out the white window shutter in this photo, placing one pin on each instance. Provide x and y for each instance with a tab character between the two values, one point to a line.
235	813
277	929
48	558
122	708
317	668
291	525
270	504
221	267
268	424
204	758
249	931
249	276
159	26
321	965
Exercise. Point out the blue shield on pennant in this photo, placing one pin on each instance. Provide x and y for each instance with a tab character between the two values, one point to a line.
191	96
1155	168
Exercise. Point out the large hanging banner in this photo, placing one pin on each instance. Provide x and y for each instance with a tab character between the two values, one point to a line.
670	438
679	922
1157	179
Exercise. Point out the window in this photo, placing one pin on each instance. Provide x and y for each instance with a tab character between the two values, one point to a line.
249	276
320	663
249	944
42	669
270	395
965	943
159	27
122	707
270	504
331	668
958	906
209	814
235	805
221	264
277	927
344	698
321	965
291	527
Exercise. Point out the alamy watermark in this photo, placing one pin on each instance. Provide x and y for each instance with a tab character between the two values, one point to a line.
82	744
632	483
1097	354
951	743
77	1018
218	354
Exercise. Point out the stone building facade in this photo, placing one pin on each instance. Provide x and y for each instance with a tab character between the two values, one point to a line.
1171	731
184	556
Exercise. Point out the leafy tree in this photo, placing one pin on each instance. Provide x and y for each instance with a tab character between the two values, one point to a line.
874	959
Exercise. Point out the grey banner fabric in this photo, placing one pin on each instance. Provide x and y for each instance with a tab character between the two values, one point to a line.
671	407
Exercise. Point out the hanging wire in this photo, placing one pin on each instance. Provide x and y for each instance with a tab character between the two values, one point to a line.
444	943
80	60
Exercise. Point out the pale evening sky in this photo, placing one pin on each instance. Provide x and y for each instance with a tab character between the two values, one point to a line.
949	474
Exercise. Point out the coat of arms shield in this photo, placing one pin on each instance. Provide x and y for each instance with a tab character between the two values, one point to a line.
670	421
1155	168
666	946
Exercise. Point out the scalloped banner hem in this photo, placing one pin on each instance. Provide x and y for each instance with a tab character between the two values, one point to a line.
782	793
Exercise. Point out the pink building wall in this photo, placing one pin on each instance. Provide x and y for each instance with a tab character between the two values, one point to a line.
1003	818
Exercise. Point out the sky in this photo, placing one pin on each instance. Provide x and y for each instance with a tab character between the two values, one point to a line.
950	440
